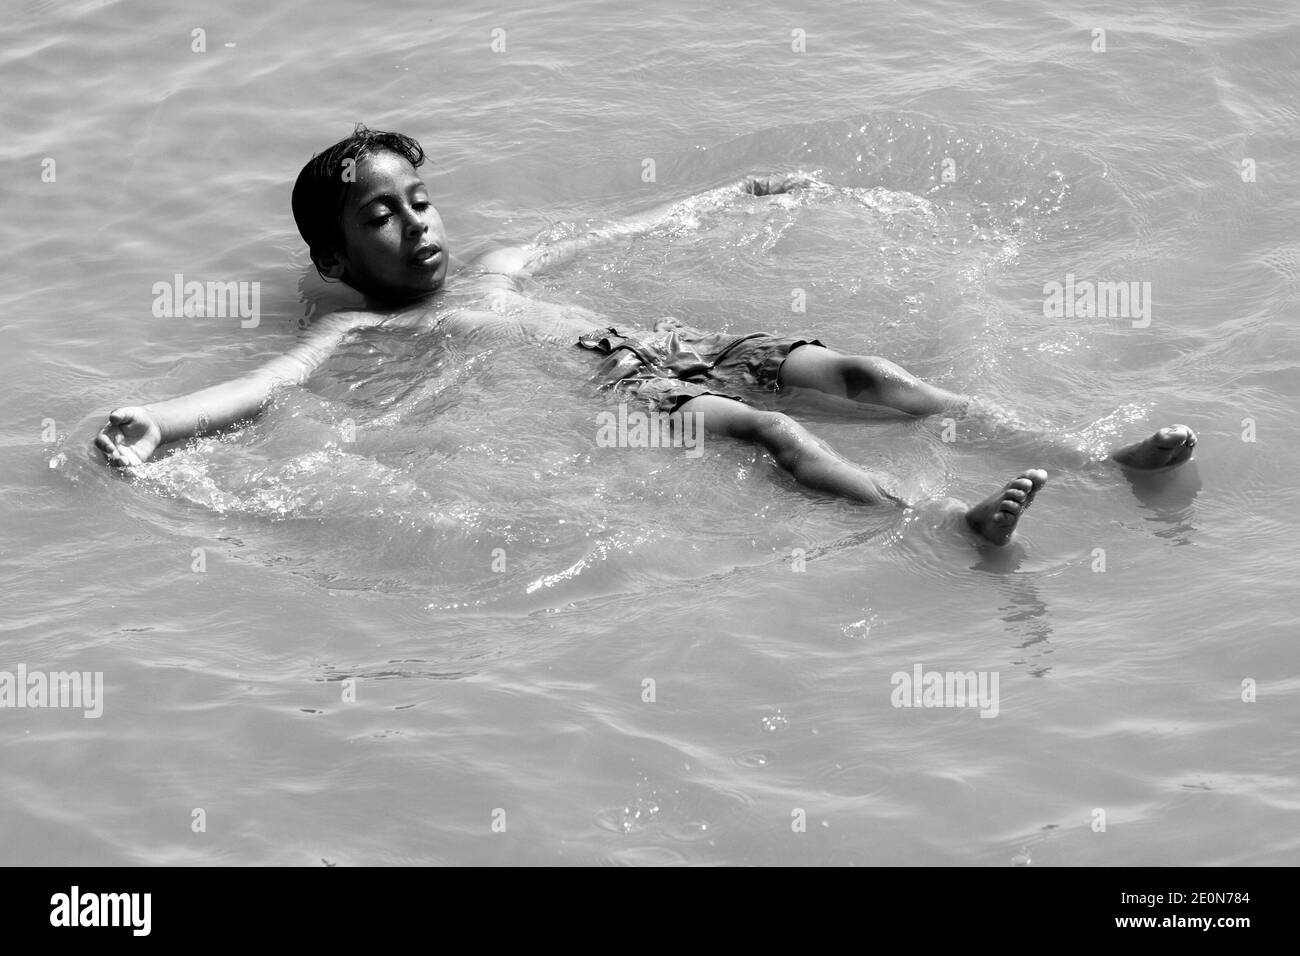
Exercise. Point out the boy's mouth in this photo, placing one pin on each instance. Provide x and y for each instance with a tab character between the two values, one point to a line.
426	253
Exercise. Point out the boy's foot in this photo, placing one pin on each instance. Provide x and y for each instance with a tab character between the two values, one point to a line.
1166	448
995	518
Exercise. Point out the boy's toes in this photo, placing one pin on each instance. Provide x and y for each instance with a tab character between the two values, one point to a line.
1169	446
1174	436
996	517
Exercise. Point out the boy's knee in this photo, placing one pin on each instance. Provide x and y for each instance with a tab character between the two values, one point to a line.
777	432
861	373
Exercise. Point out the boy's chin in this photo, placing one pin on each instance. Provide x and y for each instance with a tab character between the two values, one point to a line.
399	295
430	287
425	284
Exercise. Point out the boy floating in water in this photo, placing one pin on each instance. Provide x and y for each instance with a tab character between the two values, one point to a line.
367	219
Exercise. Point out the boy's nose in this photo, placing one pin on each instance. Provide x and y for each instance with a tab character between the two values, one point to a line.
415	228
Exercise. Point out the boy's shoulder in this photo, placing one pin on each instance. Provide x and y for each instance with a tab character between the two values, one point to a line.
503	263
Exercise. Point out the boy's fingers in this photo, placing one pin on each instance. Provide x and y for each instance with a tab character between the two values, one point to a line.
121	416
109	439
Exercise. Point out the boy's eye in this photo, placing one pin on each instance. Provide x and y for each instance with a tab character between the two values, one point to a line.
421	205
380	220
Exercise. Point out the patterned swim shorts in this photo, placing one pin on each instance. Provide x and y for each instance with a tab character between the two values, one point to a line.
674	364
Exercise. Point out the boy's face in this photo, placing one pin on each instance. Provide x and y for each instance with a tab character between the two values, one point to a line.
394	242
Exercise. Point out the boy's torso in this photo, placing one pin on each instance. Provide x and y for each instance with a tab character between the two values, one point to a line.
484	309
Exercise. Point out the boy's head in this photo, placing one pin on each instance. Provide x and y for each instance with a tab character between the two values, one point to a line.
365	214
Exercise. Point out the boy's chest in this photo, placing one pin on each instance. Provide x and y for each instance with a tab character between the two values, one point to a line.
511	314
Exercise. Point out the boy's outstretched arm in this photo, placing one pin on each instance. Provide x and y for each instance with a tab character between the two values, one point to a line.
520	261
134	432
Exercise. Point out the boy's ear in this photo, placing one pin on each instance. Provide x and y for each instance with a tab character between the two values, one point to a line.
330	264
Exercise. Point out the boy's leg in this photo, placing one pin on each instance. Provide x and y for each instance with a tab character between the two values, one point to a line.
878	381
812	463
807	458
867	379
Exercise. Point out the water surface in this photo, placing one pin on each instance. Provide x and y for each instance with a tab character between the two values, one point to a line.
499	590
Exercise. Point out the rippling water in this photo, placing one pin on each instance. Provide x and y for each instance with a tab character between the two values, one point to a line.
635	656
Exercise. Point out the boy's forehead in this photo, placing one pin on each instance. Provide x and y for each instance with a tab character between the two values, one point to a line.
385	168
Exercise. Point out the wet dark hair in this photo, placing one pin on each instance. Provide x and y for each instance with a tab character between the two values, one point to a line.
321	189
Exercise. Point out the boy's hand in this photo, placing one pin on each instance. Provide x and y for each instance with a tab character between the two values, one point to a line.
771	185
129	438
